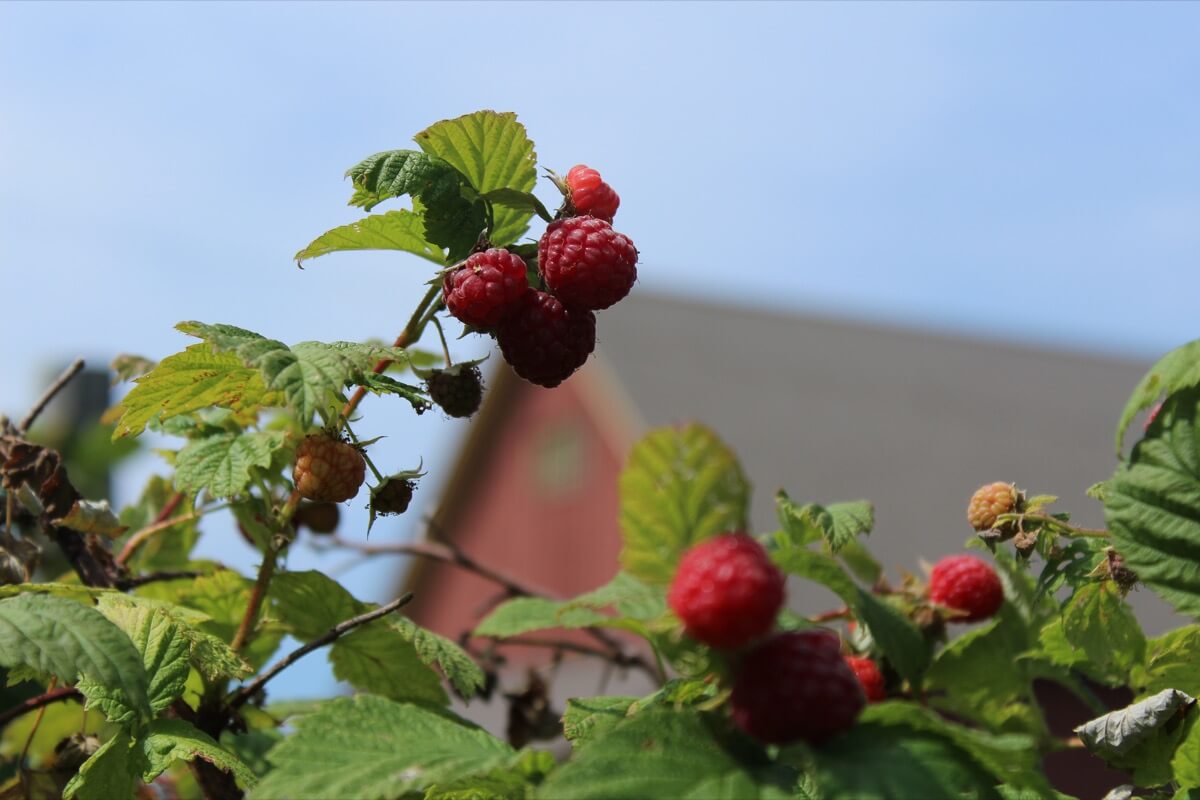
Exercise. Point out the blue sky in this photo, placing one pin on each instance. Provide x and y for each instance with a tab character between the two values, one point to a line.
1020	171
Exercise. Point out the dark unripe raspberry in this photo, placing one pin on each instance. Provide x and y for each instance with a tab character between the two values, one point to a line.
318	517
966	585
327	470
544	341
868	674
585	263
458	390
726	591
795	686
393	497
590	194
486	288
989	502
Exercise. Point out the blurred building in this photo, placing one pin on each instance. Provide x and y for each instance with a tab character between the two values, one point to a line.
828	410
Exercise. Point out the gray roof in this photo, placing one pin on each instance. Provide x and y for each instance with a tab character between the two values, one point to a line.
915	422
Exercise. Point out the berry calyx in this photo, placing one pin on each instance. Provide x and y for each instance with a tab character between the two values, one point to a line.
966	585
868	674
327	470
590	194
585	263
795	686
727	592
486	288
458	390
989	502
318	517
544	341
392	496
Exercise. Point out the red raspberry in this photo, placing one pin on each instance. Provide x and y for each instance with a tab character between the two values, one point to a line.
486	288
590	194
868	674
726	591
795	686
966	584
458	390
991	501
392	496
585	263
328	470
544	341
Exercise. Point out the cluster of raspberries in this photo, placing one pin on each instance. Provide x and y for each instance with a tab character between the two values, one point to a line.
799	684
584	266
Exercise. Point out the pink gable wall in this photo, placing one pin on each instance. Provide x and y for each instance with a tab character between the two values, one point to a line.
543	509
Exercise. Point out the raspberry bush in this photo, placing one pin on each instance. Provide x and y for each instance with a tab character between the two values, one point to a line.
143	671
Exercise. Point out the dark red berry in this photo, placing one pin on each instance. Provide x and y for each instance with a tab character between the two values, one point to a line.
318	517
726	591
544	341
458	390
486	288
585	263
795	686
392	496
966	585
590	194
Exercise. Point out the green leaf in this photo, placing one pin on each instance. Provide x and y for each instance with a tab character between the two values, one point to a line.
54	636
377	657
586	718
370	748
680	486
662	752
90	516
394	230
1185	764
838	524
456	665
493	151
310	375
161	641
109	774
1152	504
1009	758
170	740
878	761
1141	737
197	378
895	635
1171	661
171	548
519	201
1177	370
818	567
1101	624
633	600
222	465
395	173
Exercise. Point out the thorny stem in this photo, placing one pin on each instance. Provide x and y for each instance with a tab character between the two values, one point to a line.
265	572
34	703
48	395
139	538
155	577
239	698
410	334
1064	528
619	658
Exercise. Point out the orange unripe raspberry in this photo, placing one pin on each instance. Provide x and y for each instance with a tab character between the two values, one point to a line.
328	470
989	502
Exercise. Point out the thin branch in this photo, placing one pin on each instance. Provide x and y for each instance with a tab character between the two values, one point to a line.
239	698
448	554
48	395
139	538
619	658
265	572
34	703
